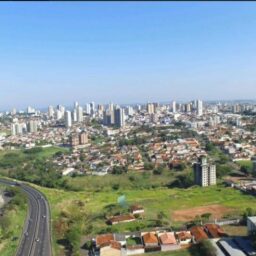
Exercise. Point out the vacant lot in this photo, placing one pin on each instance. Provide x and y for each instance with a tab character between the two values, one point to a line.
235	230
172	202
217	211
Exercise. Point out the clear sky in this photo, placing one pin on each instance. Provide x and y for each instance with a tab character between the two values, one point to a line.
126	52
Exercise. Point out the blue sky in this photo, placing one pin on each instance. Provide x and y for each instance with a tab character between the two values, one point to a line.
126	52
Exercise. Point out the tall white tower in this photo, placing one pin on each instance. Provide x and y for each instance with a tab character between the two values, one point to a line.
51	111
80	114
199	108
68	119
174	107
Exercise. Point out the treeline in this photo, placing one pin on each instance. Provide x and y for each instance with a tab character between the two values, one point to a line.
133	141
17	203
73	222
28	165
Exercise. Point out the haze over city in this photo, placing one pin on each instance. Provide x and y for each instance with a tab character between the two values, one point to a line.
127	52
127	128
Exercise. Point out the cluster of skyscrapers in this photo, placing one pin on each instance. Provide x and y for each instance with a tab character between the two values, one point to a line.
114	115
111	115
18	128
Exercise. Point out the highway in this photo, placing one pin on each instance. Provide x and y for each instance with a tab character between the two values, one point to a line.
36	237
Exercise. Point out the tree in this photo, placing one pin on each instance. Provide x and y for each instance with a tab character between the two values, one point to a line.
248	213
73	236
244	169
209	147
119	169
157	171
222	170
148	166
206	248
206	216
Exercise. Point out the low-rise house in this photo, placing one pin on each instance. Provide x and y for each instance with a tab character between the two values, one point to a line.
121	218
137	209
214	231
198	233
184	237
134	245
121	238
114	249
168	241
104	240
150	241
68	171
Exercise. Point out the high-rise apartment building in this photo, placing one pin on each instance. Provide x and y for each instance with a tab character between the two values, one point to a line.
174	106
18	128
13	129
51	111
106	117
150	108
32	126
62	110
130	111
188	108
75	115
80	117
92	105
76	104
100	109
111	106
30	110
74	140
88	109
83	138
119	117
199	108
68	119
59	114
204	173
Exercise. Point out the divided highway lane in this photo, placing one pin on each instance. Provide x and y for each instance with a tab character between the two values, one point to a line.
36	239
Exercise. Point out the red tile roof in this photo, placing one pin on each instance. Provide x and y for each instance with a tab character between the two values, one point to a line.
184	235
121	218
150	238
214	230
104	240
167	238
115	245
198	233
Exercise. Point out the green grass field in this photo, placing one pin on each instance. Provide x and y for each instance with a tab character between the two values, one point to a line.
130	180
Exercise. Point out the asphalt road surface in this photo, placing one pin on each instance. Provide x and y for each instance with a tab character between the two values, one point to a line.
36	237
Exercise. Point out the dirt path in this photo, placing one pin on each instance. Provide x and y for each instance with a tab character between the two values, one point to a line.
217	211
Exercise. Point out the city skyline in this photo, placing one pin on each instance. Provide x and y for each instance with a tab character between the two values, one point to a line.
125	52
